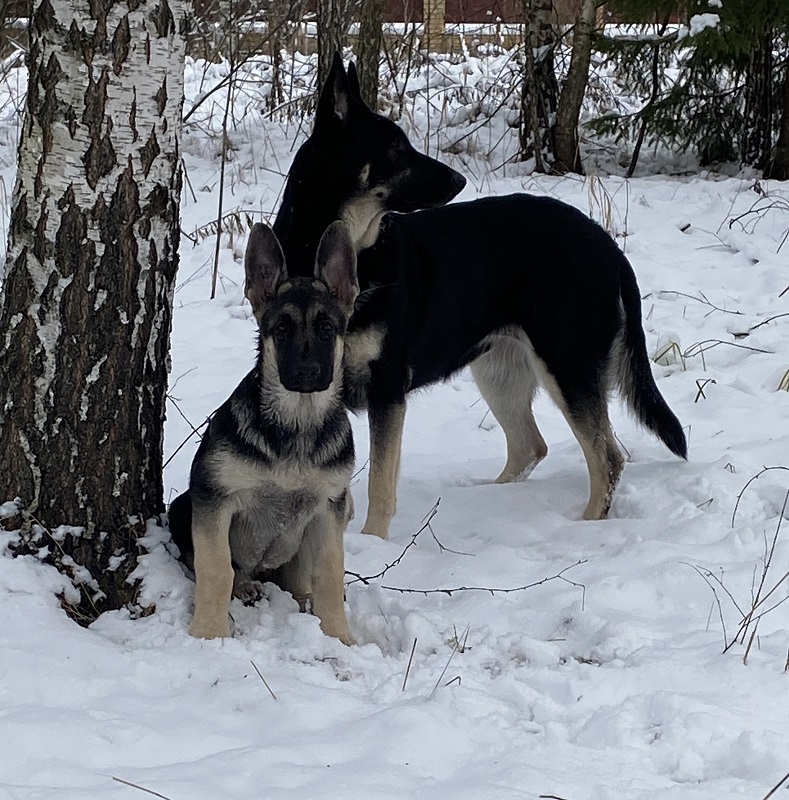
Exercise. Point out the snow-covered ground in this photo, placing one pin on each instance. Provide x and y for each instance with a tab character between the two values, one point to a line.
605	680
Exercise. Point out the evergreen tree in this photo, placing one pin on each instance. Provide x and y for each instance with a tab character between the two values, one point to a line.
723	97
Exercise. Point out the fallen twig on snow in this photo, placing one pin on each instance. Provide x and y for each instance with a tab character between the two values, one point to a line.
365	579
559	576
141	788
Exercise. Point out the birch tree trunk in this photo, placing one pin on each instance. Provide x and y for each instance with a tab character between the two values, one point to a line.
88	290
540	89
568	155
370	43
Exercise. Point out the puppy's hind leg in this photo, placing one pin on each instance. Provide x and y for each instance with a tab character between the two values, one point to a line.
213	571
386	438
507	382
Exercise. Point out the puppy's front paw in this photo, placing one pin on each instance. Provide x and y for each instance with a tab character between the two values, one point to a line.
210	629
339	630
347	638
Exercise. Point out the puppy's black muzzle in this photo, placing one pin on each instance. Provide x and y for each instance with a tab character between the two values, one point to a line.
306	378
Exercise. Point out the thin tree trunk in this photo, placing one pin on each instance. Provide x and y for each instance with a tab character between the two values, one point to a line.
370	44
778	167
331	29
568	156
540	90
277	27
88	291
653	96
757	127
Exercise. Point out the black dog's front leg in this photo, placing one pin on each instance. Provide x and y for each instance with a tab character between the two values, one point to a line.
386	437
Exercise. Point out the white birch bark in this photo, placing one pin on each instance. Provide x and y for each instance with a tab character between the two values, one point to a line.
92	255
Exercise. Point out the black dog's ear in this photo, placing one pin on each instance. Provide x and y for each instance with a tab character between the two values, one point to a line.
353	81
335	99
335	264
264	263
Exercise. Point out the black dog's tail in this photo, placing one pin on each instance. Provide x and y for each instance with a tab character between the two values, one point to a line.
635	377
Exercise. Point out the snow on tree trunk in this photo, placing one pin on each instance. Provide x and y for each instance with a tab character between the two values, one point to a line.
568	156
88	290
540	90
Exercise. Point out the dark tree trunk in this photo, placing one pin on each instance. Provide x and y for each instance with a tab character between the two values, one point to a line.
540	90
370	44
778	167
331	30
568	156
757	129
88	290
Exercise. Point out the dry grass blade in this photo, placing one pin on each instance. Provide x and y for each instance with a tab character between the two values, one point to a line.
141	788
195	432
408	667
265	682
701	385
749	482
750	644
760	597
701	299
783	385
600	199
669	355
706	575
776	787
455	648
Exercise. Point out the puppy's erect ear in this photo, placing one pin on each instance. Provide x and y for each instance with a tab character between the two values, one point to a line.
335	264
334	102
353	81
264	264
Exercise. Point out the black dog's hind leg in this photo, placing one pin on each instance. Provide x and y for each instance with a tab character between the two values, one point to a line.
586	412
386	438
506	379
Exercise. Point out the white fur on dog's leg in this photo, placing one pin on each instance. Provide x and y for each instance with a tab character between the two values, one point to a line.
323	543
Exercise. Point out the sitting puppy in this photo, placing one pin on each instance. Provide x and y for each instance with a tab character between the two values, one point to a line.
269	486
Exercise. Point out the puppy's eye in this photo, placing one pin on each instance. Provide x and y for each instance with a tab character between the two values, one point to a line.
325	331
281	329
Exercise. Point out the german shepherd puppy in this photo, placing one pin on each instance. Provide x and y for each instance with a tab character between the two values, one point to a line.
269	484
528	290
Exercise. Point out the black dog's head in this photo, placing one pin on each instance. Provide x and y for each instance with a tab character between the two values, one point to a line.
372	155
356	166
302	320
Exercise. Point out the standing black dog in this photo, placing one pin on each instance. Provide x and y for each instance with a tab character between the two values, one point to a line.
269	484
528	290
